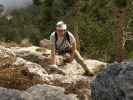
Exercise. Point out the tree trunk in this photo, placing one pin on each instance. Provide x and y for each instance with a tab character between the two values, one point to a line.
119	34
76	23
76	30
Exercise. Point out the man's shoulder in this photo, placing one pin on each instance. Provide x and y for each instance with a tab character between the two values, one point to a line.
70	34
52	34
72	38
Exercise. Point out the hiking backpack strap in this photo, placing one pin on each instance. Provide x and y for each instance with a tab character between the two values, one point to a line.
66	37
56	38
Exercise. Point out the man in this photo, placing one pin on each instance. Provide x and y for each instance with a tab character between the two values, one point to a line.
63	44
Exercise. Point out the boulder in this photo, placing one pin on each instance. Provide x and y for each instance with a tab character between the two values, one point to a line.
32	68
17	79
33	54
114	83
41	56
75	84
8	94
7	57
24	74
37	92
95	66
69	68
75	68
36	54
21	75
47	92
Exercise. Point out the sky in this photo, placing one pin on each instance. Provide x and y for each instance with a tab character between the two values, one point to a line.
13	4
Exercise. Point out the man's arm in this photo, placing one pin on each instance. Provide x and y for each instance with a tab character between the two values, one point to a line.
73	49
53	56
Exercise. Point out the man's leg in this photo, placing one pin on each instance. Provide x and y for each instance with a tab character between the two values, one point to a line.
80	60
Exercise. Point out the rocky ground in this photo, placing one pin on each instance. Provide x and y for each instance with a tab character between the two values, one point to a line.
24	76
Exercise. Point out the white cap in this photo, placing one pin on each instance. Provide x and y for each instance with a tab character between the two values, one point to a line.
61	25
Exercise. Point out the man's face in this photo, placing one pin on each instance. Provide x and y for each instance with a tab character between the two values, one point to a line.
60	31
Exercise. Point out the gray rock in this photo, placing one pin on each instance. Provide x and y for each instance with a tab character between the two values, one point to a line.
47	92
76	84
38	92
115	83
8	94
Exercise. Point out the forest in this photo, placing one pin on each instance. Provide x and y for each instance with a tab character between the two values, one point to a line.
93	23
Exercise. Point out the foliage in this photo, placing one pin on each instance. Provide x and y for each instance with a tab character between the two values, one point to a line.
95	24
94	20
120	3
23	24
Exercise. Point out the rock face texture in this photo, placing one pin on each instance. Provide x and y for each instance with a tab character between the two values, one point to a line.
21	69
34	54
8	94
115	83
32	68
95	66
76	84
38	92
7	57
47	92
21	75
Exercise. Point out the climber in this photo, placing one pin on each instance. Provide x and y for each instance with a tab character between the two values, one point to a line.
63	44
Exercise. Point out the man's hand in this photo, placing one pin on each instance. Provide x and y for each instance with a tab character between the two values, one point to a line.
68	60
